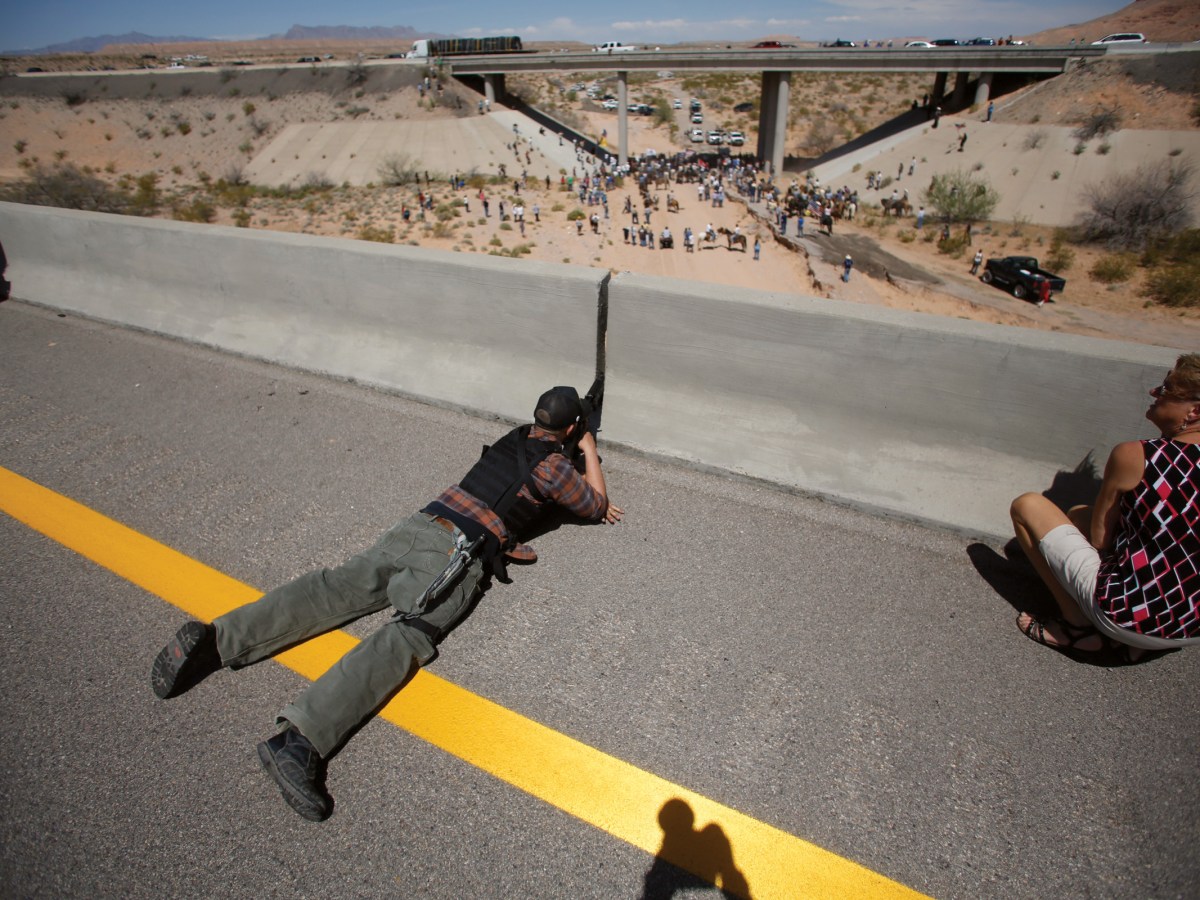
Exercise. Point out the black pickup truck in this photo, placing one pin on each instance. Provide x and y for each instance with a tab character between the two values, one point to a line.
1021	275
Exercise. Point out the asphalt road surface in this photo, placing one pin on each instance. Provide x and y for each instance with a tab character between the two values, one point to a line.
822	674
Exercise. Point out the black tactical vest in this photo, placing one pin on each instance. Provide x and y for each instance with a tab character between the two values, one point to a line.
503	468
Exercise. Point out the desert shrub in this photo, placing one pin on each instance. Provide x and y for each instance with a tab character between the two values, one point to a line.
1061	256
199	210
1175	278
1098	124
576	214
242	217
1035	139
248	108
20	146
68	187
183	126
955	245
1131	210
960	196
822	137
378	235
75	98
1113	269
1175	287
398	169
357	74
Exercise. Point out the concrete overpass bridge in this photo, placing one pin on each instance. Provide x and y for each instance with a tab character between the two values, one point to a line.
776	68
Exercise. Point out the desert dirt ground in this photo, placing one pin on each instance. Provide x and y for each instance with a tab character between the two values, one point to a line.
191	140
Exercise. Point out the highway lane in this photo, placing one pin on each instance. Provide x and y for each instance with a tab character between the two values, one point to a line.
847	680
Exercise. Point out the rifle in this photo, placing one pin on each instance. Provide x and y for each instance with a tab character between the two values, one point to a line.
591	405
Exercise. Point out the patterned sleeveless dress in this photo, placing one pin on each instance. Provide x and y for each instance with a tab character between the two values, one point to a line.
1150	581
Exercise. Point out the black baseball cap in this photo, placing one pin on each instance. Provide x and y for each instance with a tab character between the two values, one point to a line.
558	408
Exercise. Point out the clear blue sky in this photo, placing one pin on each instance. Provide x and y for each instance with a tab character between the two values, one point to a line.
32	25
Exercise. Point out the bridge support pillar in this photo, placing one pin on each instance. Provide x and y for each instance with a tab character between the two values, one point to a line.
493	86
983	89
939	88
961	80
773	119
622	118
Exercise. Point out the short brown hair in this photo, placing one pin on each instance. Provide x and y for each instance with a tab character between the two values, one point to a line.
1186	375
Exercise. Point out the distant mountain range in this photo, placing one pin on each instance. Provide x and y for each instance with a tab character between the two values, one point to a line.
347	33
295	33
94	44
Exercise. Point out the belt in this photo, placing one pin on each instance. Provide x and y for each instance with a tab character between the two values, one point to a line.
444	523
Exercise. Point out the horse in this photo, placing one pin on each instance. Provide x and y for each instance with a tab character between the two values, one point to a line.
733	239
899	207
672	204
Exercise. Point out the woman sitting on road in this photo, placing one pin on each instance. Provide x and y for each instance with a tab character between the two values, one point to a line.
1128	569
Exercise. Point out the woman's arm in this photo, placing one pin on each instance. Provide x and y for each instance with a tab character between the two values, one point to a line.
1122	473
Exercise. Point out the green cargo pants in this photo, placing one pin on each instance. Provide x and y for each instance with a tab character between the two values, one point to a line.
395	571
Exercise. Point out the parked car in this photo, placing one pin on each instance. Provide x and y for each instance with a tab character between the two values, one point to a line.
613	47
736	138
1124	37
611	104
308	59
981	42
744	108
694	106
678	104
715	137
697	136
923	45
697	118
840	43
946	42
1020	274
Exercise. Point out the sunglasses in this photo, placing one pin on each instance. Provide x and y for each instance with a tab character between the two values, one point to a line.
1165	392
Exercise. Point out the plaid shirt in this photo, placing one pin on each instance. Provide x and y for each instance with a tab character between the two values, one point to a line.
559	483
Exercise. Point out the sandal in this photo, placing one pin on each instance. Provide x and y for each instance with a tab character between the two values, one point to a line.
1036	631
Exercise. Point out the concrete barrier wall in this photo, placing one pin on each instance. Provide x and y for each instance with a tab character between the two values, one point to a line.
941	419
933	418
476	332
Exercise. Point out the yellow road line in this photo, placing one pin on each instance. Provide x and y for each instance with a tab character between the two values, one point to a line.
726	847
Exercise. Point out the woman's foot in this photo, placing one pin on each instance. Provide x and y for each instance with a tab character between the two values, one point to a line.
1061	634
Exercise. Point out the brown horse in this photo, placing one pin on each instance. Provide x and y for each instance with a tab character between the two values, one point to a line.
672	204
738	240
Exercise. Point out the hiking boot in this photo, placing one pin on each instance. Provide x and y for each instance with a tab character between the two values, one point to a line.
189	658
299	771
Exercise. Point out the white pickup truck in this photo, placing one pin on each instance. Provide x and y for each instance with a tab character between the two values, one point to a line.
613	47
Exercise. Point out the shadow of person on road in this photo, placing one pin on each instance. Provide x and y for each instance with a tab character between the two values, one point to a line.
690	859
1011	575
